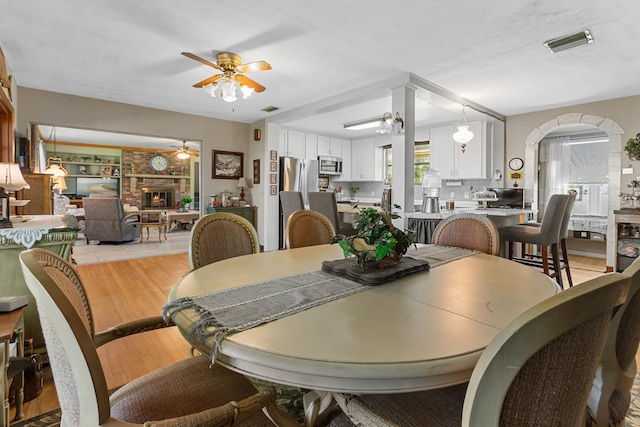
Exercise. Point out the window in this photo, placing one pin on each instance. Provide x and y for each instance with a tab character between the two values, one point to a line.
421	161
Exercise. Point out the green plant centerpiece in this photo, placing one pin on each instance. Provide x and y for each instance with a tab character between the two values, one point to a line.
633	148
377	242
185	201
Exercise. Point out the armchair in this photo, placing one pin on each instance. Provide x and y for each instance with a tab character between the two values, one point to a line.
105	220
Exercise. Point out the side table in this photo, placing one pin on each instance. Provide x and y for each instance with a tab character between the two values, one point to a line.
11	323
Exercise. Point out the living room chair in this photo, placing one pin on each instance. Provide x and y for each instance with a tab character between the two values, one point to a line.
105	220
467	230
186	393
325	202
308	228
610	397
538	370
546	236
219	236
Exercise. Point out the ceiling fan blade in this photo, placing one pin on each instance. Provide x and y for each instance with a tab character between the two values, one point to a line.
201	60
244	80
209	80
253	66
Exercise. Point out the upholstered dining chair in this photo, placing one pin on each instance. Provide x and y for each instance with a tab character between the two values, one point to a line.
546	236
219	236
308	228
468	230
610	397
537	370
186	393
325	202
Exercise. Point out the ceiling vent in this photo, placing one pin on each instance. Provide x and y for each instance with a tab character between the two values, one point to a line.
270	109
568	42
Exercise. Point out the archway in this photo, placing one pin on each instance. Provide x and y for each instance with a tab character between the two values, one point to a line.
614	131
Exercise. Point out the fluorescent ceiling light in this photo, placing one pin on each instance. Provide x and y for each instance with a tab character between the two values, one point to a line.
570	41
363	124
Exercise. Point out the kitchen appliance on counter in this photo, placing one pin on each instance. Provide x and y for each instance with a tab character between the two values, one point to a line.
431	186
297	175
329	165
507	198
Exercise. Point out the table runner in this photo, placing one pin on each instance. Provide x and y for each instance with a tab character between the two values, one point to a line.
240	308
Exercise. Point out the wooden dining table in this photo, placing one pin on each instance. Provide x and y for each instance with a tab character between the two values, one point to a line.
422	331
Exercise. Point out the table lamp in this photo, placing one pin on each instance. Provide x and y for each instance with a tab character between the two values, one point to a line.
11	179
242	184
59	184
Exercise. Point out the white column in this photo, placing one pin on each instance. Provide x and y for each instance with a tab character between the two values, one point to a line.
403	101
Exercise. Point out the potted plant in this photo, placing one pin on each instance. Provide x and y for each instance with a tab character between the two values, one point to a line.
377	242
633	148
184	203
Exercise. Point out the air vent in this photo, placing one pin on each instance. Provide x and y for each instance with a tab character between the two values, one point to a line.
270	109
568	42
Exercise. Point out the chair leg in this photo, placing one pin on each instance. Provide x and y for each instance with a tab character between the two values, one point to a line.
545	260
510	251
556	264
565	258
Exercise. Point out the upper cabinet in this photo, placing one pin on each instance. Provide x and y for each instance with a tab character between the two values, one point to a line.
329	146
292	143
346	162
310	146
448	158
366	160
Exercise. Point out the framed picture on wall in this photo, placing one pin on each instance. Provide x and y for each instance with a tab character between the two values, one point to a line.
227	164
105	171
274	190
256	171
273	167
273	178
274	155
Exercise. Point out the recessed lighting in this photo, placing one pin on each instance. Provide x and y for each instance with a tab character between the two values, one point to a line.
570	41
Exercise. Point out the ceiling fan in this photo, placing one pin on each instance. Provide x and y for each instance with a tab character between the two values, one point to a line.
183	151
232	73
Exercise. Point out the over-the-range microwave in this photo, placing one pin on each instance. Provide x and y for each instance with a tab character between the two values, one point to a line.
329	165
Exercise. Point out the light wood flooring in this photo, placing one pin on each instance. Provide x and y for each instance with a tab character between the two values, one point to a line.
127	290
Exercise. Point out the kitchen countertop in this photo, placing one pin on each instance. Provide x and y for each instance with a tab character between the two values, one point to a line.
489	212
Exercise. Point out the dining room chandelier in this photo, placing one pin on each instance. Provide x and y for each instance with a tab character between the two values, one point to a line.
463	135
227	86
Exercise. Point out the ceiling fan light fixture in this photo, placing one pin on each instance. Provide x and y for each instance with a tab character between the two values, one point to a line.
211	89
228	90
246	91
183	155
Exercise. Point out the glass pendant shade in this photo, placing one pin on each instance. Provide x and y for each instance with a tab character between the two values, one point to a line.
463	135
228	90
55	169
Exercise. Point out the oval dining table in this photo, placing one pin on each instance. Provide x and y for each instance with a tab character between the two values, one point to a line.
421	331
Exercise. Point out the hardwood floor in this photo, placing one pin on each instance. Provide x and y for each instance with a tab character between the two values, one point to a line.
128	290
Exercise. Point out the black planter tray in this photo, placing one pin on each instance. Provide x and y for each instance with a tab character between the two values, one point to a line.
348	267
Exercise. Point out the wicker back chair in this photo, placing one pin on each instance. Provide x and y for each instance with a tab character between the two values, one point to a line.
308	228
184	393
219	236
538	370
611	392
467	230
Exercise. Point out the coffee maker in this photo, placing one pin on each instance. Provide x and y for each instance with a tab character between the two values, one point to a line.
431	186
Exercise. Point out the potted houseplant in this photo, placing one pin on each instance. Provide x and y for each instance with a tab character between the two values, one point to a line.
184	203
377	242
632	148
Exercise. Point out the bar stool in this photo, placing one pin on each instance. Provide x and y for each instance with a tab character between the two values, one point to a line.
564	232
545	236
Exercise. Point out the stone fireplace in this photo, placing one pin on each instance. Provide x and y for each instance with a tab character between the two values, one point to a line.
157	198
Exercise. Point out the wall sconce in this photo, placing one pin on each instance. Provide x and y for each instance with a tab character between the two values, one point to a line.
463	134
257	134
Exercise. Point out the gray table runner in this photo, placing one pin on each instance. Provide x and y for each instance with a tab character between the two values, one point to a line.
237	309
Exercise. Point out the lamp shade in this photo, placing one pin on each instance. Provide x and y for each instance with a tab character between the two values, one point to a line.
60	184
11	178
463	134
55	169
242	183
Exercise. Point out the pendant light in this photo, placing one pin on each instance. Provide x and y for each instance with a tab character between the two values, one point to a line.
54	164
463	134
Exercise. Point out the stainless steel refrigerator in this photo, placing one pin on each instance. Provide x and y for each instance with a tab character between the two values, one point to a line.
297	175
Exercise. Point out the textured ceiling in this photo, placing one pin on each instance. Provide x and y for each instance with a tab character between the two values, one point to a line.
488	52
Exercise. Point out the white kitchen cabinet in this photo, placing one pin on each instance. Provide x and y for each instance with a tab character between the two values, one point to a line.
448	158
329	146
366	160
310	146
292	143
346	161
